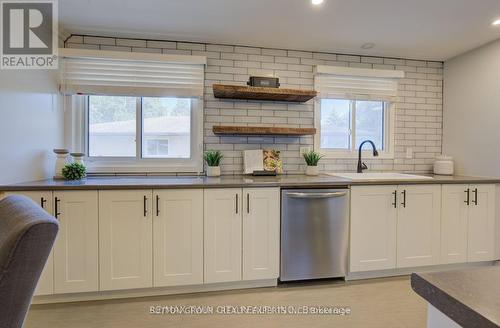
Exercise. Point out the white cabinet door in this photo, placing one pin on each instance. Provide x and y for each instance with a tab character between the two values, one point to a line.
222	234
481	232
45	284
261	233
454	218
76	248
373	228
418	225
178	237
125	239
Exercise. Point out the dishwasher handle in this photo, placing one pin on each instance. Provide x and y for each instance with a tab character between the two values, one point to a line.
316	195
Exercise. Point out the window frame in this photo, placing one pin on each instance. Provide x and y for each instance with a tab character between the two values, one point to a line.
139	164
388	132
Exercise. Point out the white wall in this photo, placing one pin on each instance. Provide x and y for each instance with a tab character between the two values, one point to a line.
30	124
471	115
471	123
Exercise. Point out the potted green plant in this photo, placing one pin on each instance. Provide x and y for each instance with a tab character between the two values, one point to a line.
312	158
213	159
74	171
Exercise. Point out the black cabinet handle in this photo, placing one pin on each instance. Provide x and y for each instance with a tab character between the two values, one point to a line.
42	202
236	203
145	206
157	205
404	199
475	196
467	201
56	207
248	203
395	204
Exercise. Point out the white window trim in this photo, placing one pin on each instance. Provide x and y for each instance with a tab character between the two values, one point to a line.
389	135
78	135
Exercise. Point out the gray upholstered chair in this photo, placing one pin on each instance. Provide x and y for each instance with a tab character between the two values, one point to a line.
27	234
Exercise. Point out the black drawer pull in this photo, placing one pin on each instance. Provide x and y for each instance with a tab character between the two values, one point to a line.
42	202
467	201
248	203
236	203
56	207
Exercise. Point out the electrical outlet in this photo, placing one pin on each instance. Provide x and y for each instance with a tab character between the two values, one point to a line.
304	149
409	153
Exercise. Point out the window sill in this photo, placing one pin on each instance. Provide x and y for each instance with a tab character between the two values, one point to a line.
112	168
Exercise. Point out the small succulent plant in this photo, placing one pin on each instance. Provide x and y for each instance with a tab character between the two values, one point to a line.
213	157
74	171
312	158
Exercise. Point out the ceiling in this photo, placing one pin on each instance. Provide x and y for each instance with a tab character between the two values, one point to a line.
419	29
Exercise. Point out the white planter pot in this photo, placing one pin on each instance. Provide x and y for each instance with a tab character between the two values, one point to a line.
312	170
213	171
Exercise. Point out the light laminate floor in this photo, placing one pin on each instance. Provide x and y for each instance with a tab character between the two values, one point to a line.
374	303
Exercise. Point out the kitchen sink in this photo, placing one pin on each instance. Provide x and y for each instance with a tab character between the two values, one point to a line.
379	176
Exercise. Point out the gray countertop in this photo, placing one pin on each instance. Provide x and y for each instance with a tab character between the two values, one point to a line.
470	297
165	182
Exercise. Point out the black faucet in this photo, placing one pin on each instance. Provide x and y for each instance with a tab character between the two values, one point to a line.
362	166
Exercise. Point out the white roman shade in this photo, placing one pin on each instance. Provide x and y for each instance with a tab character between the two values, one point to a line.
356	83
130	74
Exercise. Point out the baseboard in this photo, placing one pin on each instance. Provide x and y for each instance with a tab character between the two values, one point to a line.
407	271
145	292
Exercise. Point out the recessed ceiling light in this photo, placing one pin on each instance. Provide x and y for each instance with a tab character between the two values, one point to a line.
368	45
317	2
496	22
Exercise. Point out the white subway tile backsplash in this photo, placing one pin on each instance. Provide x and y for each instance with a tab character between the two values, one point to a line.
131	43
82	46
219	48
149	50
99	40
247	50
161	44
300	54
349	58
418	110
372	60
190	46
115	48
176	51
287	60
274	52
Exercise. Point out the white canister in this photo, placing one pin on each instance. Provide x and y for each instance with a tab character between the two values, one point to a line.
444	165
78	158
61	161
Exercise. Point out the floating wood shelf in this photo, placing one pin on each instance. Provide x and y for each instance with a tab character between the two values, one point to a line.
257	93
262	130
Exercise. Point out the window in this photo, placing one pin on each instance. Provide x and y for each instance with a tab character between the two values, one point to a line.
344	124
134	112
355	104
143	131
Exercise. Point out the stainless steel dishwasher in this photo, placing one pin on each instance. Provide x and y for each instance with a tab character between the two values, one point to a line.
314	233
